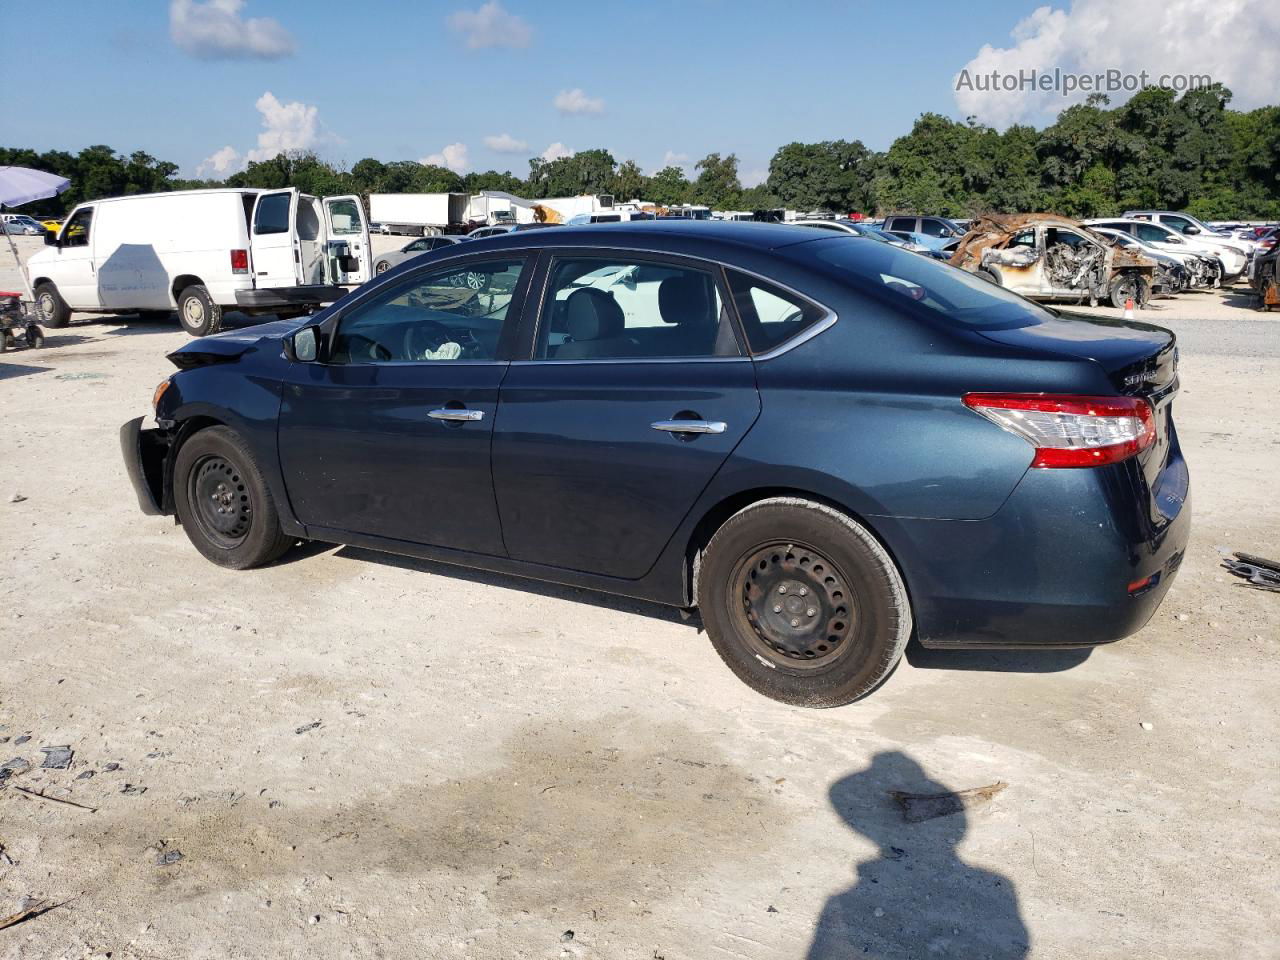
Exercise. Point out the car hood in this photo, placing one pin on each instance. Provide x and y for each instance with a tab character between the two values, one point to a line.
232	344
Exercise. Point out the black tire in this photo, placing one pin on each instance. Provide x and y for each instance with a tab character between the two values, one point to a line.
847	633
35	336
988	275
197	312
223	503
1129	285
54	311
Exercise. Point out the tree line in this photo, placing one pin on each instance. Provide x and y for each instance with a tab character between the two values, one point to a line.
1157	150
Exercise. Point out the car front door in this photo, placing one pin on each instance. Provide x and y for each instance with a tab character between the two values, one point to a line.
388	435
636	390
77	274
344	220
277	257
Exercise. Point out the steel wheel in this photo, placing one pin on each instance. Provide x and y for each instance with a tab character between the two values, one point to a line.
795	605
193	312
382	267
221	502
47	304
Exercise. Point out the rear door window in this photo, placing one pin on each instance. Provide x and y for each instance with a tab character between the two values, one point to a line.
770	315
272	215
906	224
620	307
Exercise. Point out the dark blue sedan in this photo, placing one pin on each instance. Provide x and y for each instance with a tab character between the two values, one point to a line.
825	444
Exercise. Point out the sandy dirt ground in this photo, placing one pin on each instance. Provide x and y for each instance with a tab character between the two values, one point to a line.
356	755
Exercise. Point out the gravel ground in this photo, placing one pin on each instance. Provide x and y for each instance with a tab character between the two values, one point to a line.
354	755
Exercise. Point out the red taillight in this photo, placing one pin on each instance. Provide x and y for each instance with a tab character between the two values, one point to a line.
1071	431
239	261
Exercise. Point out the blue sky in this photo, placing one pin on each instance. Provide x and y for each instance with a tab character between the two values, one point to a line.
650	80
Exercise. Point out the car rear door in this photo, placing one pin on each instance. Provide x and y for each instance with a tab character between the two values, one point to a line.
388	436
344	220
635	391
277	256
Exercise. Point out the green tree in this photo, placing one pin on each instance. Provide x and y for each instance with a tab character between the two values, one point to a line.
717	184
669	186
835	175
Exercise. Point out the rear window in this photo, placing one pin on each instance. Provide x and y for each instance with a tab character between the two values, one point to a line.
903	278
273	214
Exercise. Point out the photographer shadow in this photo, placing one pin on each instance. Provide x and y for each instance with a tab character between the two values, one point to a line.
917	898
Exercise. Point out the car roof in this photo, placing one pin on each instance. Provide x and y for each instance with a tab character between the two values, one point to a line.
657	233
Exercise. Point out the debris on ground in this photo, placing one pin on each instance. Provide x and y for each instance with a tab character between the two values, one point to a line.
7	860
57	758
566	936
162	855
44	796
86	775
1145	725
308	726
111	767
133	790
29	910
19	741
1258	572
13	768
917	807
16	498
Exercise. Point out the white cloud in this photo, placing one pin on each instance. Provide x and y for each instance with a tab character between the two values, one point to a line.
214	30
506	143
556	151
454	156
1221	39
286	126
220	163
673	159
576	101
491	26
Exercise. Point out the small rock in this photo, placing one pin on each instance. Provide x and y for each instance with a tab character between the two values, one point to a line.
314	918
111	767
878	912
18	741
1182	617
16	498
13	768
566	936
133	790
1145	725
88	774
166	857
56	758
772	909
308	726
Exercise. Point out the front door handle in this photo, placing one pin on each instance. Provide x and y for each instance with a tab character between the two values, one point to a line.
690	426
456	415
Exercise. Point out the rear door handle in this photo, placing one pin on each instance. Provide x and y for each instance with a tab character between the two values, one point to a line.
455	415
690	426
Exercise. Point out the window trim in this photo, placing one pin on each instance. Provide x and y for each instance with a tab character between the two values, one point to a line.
511	323
551	254
821	325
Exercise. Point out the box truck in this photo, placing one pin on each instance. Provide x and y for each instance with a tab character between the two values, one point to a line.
418	214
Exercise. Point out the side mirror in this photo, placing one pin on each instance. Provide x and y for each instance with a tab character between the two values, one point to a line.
50	238
304	345
1191	231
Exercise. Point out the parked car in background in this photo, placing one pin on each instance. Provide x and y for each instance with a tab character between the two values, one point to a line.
19	224
931	232
861	230
498	229
1264	277
414	248
1170	277
53	225
666	448
1046	257
202	252
1233	253
1204	266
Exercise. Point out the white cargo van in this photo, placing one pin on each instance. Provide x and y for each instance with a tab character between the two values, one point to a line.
200	252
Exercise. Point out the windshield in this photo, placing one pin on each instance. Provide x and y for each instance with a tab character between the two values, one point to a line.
902	278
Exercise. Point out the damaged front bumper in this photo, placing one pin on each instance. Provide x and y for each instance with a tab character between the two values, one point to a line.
146	456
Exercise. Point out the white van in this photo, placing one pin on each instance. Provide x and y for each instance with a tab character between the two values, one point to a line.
200	252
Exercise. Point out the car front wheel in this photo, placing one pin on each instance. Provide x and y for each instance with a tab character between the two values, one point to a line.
803	603
197	312
223	502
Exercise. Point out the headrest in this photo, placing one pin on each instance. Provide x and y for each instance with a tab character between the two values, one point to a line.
593	315
683	299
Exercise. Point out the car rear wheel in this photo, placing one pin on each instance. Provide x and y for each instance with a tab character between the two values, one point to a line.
382	267
197	312
1130	286
803	603
223	502
53	309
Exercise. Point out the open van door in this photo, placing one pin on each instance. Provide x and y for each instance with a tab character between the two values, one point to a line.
345	222
277	256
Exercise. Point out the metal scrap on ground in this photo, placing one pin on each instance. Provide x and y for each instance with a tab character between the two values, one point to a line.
925	806
1259	572
56	758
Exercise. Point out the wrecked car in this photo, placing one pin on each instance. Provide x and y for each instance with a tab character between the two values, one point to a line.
1047	257
1264	277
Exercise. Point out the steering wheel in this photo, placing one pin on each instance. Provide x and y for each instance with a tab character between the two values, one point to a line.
423	337
358	346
